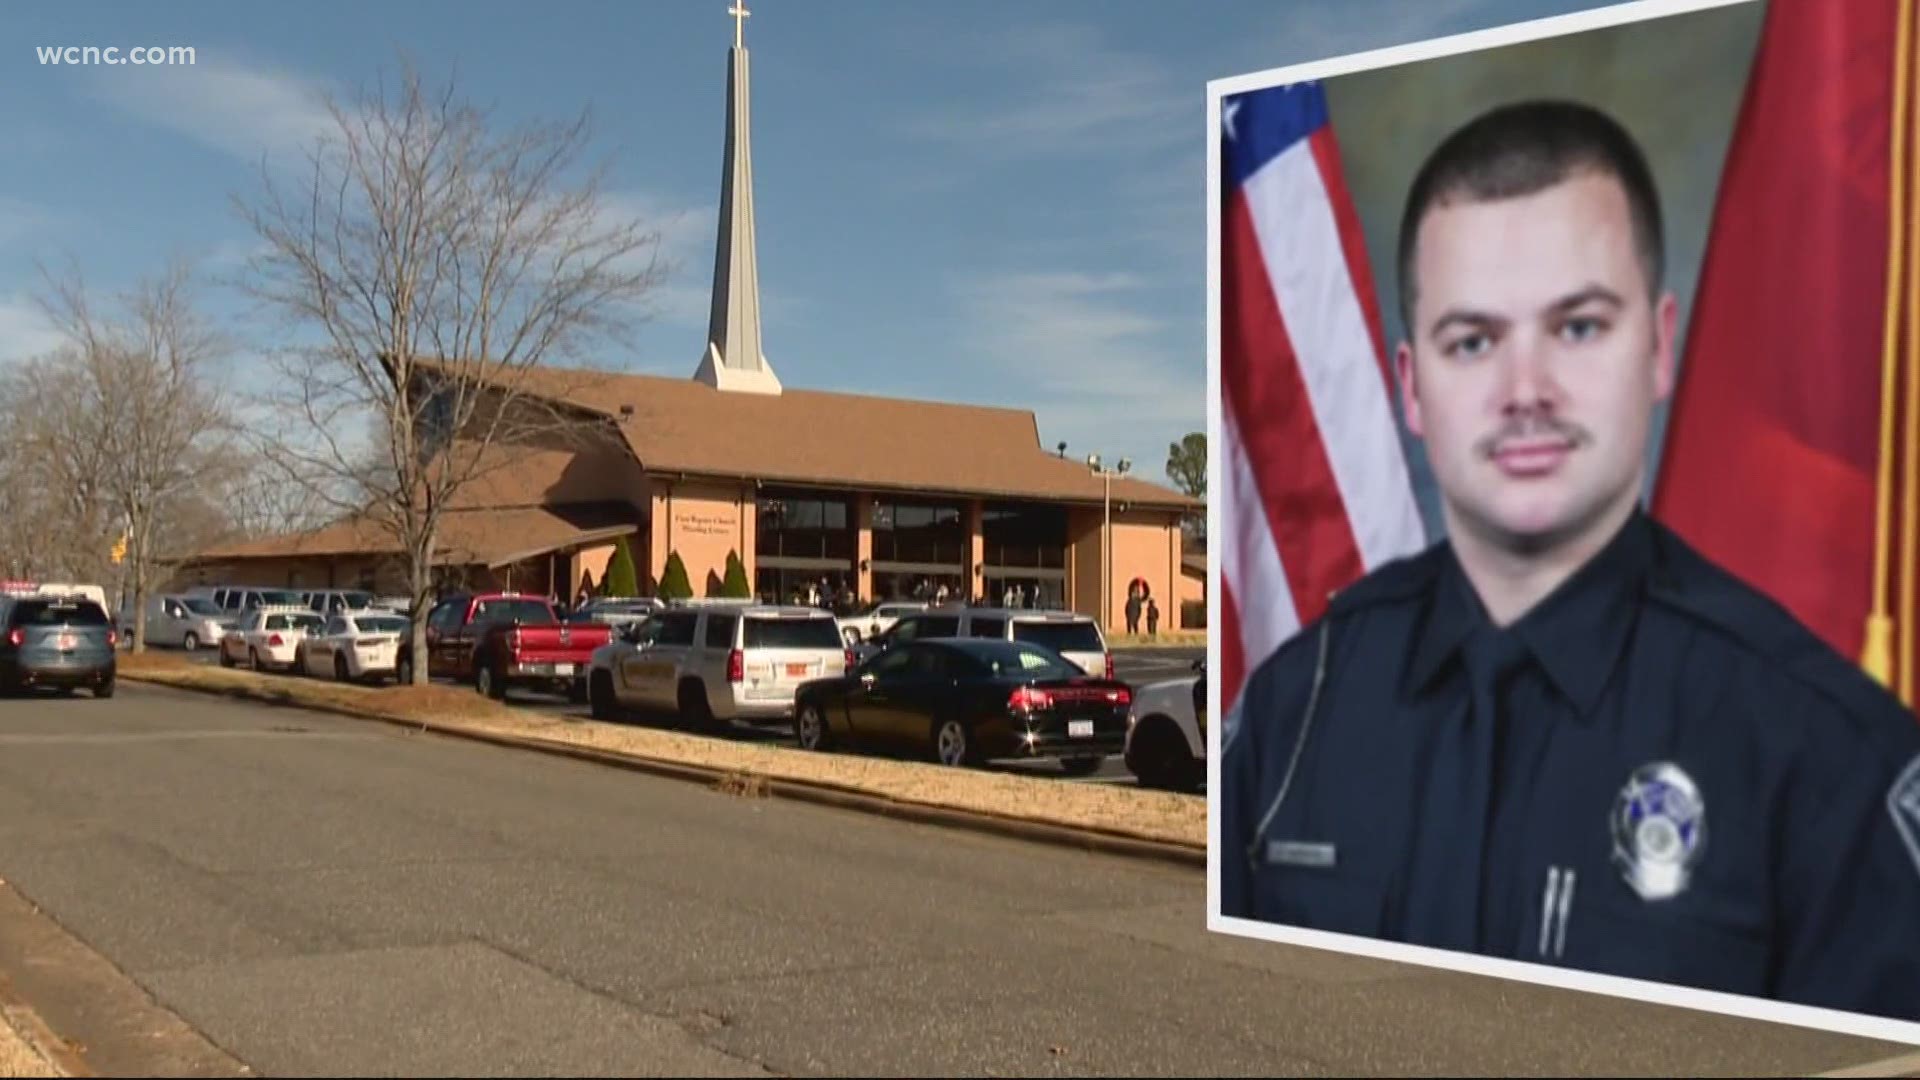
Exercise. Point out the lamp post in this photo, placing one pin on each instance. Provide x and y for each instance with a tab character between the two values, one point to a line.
1106	533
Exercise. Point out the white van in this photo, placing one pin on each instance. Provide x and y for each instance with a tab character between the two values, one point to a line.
184	620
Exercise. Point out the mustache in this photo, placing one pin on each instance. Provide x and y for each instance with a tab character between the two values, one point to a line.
1534	427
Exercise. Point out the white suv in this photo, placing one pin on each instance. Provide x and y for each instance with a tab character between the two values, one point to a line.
717	661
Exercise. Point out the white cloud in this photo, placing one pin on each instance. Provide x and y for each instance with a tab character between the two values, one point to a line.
1082	351
25	330
1084	96
243	111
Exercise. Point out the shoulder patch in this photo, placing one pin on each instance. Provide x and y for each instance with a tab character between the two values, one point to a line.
1903	802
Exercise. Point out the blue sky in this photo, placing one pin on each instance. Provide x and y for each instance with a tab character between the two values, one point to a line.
998	203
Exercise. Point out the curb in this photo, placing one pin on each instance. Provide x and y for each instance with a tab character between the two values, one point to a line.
1078	837
37	1035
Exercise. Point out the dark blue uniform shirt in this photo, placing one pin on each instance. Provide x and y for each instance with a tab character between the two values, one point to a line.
1655	773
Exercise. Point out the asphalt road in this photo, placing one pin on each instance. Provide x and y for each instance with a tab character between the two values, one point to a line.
321	895
1136	666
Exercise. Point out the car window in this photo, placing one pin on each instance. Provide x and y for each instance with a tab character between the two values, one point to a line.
777	633
277	622
309	623
987	628
202	607
281	598
891	664
57	613
1029	661
720	631
506	611
381	624
676	629
928	662
939	626
335	627
1060	636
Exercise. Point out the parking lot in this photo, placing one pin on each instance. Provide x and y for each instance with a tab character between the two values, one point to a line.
1137	666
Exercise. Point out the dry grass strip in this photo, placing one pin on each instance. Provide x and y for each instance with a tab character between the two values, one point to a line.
1124	811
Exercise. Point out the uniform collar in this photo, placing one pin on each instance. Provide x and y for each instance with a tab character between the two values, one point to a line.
1575	634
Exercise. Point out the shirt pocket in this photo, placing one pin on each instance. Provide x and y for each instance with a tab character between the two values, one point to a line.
1338	900
1682	942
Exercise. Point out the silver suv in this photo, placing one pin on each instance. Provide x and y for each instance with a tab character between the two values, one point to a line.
717	661
1069	633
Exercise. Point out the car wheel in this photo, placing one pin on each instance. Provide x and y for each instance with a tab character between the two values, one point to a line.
488	682
253	660
693	708
600	696
810	728
190	642
225	660
403	672
1159	758
105	689
952	742
340	673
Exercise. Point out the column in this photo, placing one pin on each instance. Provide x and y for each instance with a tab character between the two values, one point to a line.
863	544
975	582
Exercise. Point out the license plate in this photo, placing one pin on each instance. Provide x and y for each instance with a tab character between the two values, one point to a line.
1079	729
563	669
66	641
798	669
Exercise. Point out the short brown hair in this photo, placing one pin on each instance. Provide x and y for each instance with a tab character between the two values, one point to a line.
1522	148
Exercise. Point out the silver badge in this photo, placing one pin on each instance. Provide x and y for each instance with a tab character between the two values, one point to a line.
1659	830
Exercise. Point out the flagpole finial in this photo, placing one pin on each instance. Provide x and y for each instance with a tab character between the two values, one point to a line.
739	12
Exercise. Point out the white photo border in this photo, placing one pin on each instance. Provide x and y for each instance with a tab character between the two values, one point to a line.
1739	1005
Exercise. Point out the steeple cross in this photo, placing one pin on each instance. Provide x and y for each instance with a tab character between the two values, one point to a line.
739	12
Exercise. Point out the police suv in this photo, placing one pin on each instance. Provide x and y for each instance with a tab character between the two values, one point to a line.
715	661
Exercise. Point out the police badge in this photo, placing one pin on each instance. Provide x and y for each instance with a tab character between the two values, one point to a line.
1659	830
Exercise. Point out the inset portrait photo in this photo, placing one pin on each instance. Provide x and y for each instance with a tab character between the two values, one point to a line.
1565	418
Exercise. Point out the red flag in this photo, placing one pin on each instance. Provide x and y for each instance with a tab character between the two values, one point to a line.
1772	460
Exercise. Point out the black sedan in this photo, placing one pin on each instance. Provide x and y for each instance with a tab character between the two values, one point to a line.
967	700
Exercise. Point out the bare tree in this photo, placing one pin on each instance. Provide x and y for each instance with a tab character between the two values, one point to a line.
137	414
432	265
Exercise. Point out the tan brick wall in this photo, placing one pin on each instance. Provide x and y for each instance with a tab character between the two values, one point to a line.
702	521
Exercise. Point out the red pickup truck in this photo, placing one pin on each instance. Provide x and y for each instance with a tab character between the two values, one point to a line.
501	640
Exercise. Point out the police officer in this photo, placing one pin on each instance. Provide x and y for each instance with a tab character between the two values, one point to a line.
1562	735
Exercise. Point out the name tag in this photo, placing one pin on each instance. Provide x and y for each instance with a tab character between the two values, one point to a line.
1299	853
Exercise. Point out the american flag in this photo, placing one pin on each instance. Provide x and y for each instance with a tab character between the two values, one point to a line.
1317	489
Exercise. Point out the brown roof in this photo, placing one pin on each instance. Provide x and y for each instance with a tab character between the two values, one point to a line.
491	537
851	440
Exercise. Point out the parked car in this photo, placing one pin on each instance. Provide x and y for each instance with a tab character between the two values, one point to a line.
503	640
715	662
186	621
616	611
355	646
876	619
1167	732
1069	633
62	642
335	601
240	599
963	701
268	638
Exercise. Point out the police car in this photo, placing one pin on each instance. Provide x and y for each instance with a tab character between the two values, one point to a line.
1167	732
